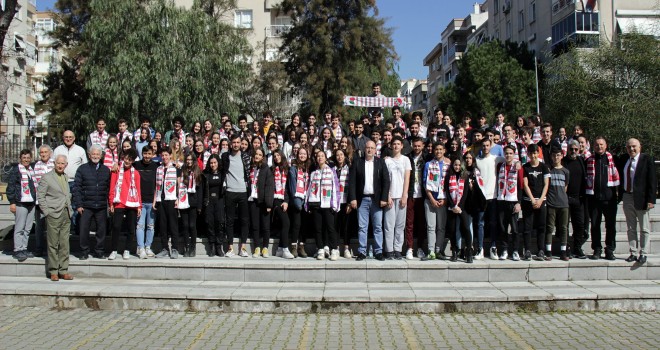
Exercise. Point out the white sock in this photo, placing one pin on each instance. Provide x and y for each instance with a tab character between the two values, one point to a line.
548	247
563	248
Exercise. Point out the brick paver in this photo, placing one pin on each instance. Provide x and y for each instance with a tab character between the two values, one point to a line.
37	328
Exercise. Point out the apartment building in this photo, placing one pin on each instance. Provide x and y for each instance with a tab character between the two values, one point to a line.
18	60
406	90
48	61
420	96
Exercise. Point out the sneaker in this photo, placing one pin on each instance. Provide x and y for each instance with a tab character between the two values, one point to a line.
334	255
220	251
142	253
21	256
264	253
397	255
175	254
515	256
596	254
548	256
286	254
493	253
420	253
579	253
229	253
348	254
112	255
431	256
528	255
326	251
257	253
163	254
504	255
126	255
409	254
278	252
609	255
540	256
564	256
244	253
29	254
479	255
150	253
320	255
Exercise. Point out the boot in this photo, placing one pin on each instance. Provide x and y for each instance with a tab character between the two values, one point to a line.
186	251
192	250
294	250
468	256
220	250
454	256
462	254
212	249
301	251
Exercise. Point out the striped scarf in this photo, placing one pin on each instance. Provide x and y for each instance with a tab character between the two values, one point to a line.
342	174
254	177
379	145
26	175
99	139
536	136
132	200
337	133
168	179
456	189
507	183
110	157
121	136
321	185
612	173
41	169
435	175
374	101
280	183
302	179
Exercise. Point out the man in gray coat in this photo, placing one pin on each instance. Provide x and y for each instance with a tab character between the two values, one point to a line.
55	202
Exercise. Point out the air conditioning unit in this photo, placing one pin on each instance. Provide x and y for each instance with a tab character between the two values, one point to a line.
506	8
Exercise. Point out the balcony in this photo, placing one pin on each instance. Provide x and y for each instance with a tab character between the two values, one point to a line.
454	52
277	31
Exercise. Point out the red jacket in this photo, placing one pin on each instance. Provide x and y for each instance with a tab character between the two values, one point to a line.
124	188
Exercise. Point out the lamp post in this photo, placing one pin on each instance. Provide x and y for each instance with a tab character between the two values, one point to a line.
536	72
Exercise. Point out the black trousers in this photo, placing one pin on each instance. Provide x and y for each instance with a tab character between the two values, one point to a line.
260	224
234	201
295	218
284	220
534	219
507	218
168	223
576	213
597	210
101	217
342	224
215	221
324	227
117	221
189	225
464	229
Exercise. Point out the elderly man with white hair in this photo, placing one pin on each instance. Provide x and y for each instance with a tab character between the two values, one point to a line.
90	198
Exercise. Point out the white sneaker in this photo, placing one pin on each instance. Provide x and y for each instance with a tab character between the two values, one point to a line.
420	253
279	252
150	252
126	255
479	255
348	254
320	255
286	254
244	253
326	250
504	255
409	254
142	253
515	256
112	255
229	253
334	255
493	253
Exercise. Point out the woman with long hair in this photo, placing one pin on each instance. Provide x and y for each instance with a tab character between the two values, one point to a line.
346	145
458	187
143	140
125	146
214	146
280	171
257	131
342	167
201	154
125	203
327	142
313	135
298	182
192	199
177	152
454	148
257	143
295	124
477	202
303	139
207	133
215	210
111	154
260	202
322	202
196	131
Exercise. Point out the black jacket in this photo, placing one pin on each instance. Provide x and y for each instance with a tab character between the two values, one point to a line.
200	198
91	186
645	183
224	166
381	181
14	187
411	184
265	186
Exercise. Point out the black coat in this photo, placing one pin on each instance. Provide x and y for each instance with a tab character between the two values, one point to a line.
645	182
381	181
200	198
265	186
14	187
91	186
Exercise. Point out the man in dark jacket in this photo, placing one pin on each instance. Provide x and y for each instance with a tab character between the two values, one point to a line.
235	168
90	196
576	197
369	189
415	218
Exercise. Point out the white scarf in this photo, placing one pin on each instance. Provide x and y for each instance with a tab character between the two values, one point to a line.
169	180
254	177
343	182
456	189
132	200
302	178
507	183
321	185
26	175
280	183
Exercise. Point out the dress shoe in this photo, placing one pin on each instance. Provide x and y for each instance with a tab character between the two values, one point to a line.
66	277
609	255
379	257
54	278
360	257
192	252
642	259
212	251
29	254
84	256
631	258
596	255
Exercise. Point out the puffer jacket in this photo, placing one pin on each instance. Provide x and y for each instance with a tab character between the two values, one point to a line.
91	186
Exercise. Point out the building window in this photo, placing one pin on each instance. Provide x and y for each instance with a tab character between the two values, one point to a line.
497	6
45	24
509	29
521	20
243	19
532	12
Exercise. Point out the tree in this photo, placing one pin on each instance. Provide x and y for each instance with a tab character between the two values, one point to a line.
335	48
610	91
491	78
6	16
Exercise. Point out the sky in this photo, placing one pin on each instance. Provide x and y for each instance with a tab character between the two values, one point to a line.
416	25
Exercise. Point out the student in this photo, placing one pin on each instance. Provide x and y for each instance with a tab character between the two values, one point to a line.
280	170
142	140
435	207
322	202
111	154
22	196
536	182
215	210
123	132
342	166
260	202
297	190
100	135
125	202
394	216
509	194
193	197
145	225
235	168
458	187
557	203
166	201
415	218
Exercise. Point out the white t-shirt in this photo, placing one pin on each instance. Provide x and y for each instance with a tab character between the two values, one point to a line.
488	168
397	168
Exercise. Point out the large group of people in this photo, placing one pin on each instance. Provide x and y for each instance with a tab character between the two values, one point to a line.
425	182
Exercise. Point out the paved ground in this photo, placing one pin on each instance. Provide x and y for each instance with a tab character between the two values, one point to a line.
81	329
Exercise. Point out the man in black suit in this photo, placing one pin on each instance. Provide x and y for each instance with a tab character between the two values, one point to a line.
369	188
638	190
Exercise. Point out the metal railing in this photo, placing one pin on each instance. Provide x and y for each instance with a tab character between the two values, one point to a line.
277	31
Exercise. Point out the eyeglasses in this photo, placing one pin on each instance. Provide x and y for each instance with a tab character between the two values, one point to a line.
574	149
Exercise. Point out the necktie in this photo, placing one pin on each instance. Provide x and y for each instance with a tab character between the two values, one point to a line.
629	182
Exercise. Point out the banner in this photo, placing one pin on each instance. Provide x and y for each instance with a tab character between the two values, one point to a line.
375	101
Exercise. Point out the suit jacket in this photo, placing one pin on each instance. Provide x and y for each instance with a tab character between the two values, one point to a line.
54	201
645	182
381	181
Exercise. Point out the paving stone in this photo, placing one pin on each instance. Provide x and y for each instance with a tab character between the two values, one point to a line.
223	274
548	273
631	272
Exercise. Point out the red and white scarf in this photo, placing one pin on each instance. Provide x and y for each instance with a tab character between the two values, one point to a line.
379	145
99	139
110	157
507	183
121	136
342	174
214	149
41	169
26	175
435	175
302	179
280	183
168	180
132	200
321	185
337	133
612	173
536	135
254	177
456	189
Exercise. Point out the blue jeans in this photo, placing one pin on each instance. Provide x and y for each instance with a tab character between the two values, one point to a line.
369	210
75	218
478	220
459	237
147	218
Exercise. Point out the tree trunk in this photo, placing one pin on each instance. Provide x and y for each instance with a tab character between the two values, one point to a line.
6	16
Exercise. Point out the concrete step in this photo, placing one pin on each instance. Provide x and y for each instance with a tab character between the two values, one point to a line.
343	270
349	298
